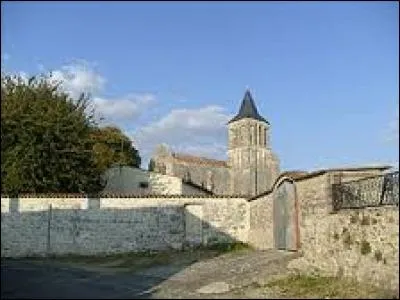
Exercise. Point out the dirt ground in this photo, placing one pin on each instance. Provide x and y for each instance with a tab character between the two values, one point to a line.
130	277
197	274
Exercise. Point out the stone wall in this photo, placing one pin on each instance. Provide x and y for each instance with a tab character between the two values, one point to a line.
362	244
135	181
110	225
350	176
261	222
314	196
160	184
216	179
189	189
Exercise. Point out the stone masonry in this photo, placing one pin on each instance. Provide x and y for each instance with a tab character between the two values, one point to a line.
251	168
110	225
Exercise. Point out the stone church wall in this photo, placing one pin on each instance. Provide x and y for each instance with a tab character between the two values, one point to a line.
215	179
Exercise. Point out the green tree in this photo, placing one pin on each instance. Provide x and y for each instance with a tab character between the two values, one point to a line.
45	138
111	146
151	165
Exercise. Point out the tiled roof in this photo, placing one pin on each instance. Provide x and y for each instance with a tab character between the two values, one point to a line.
199	160
248	109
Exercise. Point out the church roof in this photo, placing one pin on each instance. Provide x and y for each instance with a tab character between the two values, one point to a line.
248	109
199	160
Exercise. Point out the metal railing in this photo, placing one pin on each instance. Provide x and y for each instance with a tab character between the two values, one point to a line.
367	192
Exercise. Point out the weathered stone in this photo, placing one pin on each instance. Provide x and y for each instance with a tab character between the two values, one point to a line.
215	288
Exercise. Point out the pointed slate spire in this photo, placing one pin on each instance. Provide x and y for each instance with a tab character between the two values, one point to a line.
248	109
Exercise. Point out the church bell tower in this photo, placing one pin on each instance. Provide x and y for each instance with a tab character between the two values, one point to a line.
254	168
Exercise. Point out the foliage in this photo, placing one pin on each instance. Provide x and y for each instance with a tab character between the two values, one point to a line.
45	138
336	236
111	146
365	247
228	247
318	287
151	165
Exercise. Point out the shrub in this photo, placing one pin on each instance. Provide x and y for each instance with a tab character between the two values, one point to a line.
365	247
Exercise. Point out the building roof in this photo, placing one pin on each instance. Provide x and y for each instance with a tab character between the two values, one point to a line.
248	109
199	160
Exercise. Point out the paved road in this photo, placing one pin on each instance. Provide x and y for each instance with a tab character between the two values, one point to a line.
51	280
20	279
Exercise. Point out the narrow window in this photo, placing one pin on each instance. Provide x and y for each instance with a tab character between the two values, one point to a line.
265	136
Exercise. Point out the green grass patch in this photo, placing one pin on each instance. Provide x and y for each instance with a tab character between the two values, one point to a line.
306	287
365	247
228	247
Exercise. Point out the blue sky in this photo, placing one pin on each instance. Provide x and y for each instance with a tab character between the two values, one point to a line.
325	74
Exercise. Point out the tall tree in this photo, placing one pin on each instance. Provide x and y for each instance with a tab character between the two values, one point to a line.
152	165
111	146
45	138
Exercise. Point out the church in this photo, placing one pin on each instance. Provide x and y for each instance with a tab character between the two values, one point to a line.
251	168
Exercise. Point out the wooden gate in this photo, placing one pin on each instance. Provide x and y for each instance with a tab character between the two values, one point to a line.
285	216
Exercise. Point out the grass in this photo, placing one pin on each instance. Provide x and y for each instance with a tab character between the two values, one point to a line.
365	247
228	247
306	287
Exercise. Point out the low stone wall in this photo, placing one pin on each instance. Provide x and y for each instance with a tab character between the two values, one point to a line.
363	244
314	196
261	222
110	225
358	243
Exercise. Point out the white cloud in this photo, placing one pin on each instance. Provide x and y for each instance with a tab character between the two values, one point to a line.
79	77
195	131
120	109
200	131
